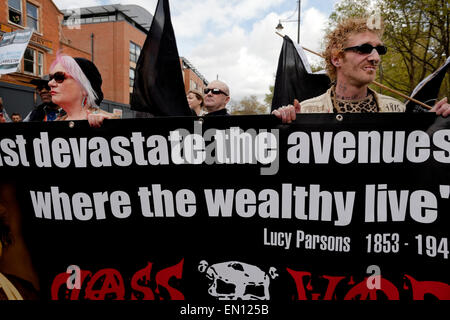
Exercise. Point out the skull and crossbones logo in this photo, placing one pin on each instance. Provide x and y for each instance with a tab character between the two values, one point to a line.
235	280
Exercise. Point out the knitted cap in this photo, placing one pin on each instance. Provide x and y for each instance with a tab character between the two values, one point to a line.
95	78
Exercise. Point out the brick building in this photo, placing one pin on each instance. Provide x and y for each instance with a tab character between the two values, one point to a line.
111	36
193	79
115	35
45	18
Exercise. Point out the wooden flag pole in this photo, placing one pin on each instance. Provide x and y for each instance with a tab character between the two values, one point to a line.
375	82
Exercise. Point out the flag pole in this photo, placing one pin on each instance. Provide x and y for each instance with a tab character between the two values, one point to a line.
374	82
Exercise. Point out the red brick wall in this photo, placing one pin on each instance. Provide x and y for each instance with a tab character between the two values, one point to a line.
190	75
138	38
74	52
111	53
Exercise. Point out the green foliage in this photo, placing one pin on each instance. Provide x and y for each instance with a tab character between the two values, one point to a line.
349	9
315	67
249	105
269	96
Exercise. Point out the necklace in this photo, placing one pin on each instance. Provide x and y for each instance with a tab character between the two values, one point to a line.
365	105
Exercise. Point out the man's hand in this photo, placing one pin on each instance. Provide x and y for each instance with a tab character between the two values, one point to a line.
287	114
442	108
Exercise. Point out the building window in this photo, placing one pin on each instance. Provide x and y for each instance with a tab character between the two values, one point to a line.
138	52
33	62
15	11
135	51
40	64
193	85
132	75
28	61
32	17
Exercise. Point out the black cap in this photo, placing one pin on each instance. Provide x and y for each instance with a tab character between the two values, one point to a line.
41	81
95	78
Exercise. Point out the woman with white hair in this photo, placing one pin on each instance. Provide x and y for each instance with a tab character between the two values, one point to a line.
75	85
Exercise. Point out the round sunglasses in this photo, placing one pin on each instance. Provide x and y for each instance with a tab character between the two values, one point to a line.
59	77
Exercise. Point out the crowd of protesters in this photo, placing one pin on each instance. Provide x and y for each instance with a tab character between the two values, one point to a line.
72	90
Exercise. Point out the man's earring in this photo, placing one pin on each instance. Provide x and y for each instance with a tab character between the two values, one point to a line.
83	103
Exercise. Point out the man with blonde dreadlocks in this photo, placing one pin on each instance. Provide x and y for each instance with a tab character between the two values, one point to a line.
352	55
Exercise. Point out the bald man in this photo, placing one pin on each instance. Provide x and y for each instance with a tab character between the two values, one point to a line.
217	95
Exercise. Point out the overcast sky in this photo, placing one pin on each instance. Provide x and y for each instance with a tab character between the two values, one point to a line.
235	39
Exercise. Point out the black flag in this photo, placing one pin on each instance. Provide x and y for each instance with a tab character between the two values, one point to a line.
158	86
428	89
294	77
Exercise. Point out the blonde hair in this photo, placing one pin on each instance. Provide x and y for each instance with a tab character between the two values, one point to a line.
335	40
198	95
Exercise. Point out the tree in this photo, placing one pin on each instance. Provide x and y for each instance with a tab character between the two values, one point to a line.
348	9
249	105
269	97
417	33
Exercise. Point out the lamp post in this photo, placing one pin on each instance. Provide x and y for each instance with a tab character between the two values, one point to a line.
280	26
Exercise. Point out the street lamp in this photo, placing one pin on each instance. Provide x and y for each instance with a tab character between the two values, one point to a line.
280	27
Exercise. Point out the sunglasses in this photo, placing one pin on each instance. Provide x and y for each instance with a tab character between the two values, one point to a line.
367	48
43	86
59	77
214	91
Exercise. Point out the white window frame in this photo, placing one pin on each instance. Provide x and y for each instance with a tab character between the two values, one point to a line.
40	63
33	18
20	11
34	62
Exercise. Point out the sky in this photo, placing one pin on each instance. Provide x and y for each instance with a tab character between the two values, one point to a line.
235	40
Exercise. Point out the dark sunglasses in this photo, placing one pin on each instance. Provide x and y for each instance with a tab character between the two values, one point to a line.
214	91
43	86
367	48
59	77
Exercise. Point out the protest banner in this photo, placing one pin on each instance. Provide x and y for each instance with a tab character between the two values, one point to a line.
330	207
12	49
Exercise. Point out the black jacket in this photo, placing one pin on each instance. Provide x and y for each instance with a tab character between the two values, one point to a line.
39	113
221	112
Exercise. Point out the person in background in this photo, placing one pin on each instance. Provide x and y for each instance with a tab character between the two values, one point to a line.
217	95
47	110
195	100
75	86
15	117
2	113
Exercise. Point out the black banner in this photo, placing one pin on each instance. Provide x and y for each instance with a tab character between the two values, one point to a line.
327	208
